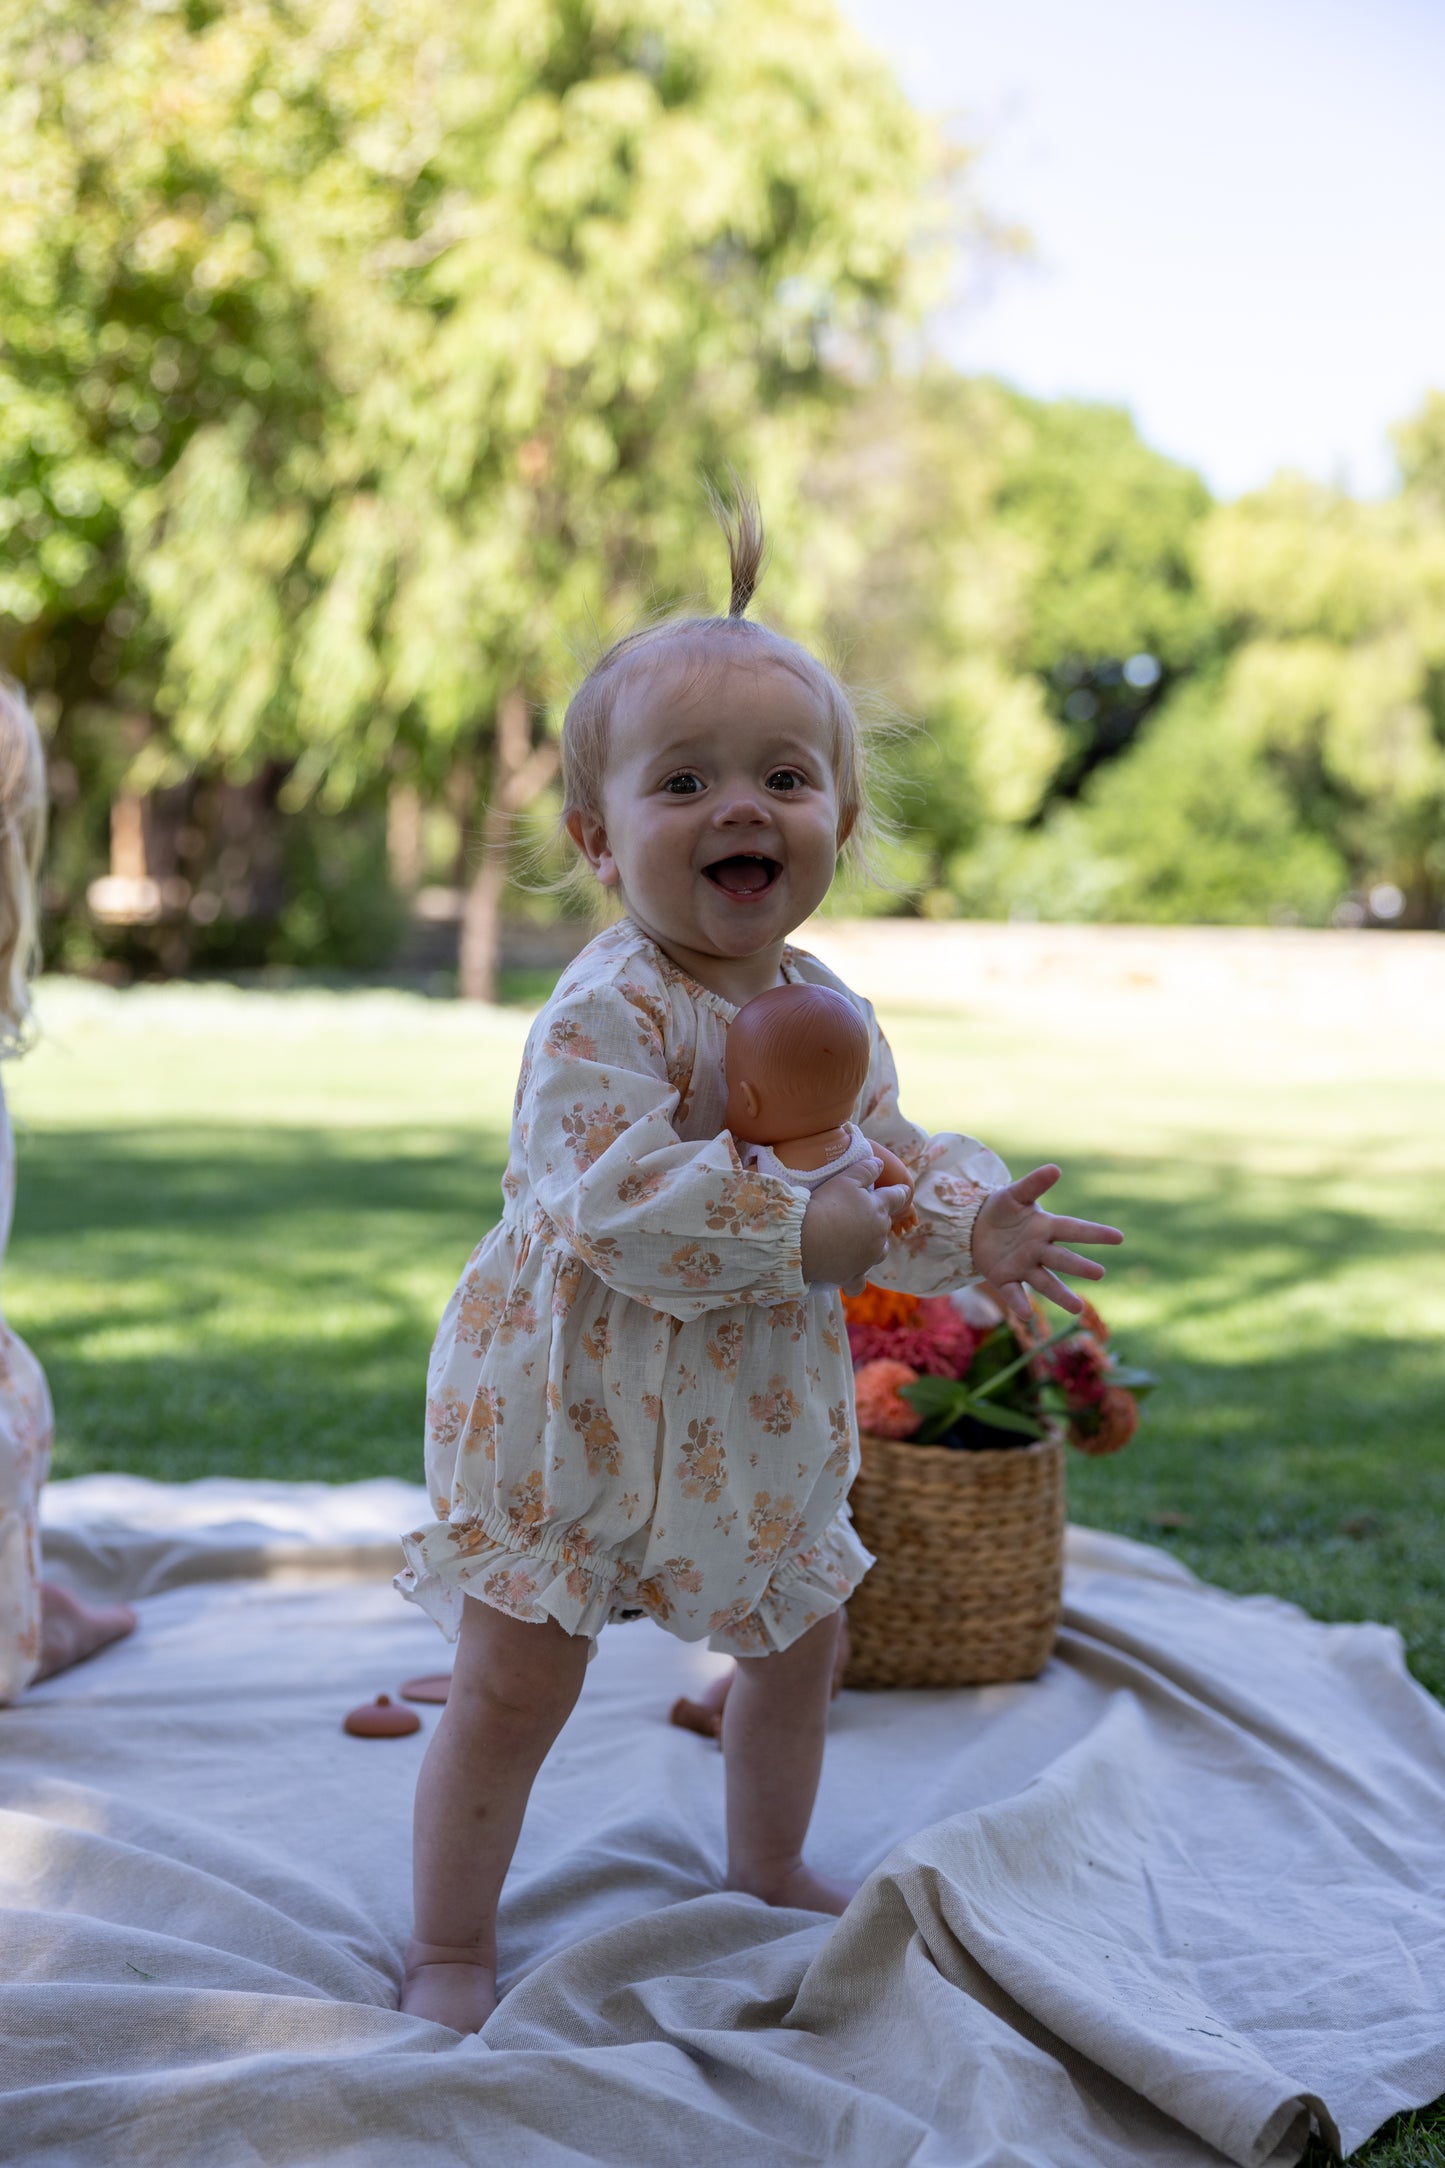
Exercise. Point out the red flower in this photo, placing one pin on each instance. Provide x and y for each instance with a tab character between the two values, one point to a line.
936	1342
1080	1368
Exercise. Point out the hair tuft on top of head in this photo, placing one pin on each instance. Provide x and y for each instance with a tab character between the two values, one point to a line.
742	522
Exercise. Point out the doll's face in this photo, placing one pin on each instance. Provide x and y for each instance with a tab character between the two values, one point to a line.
719	821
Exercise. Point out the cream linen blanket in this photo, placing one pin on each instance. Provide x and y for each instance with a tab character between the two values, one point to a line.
1160	1906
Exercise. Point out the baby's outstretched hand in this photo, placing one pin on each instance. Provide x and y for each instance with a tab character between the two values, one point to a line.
847	1225
1015	1245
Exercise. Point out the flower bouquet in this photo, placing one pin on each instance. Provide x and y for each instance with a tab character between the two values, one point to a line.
963	1414
955	1370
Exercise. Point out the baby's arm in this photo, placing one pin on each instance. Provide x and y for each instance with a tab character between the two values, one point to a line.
970	1219
682	1227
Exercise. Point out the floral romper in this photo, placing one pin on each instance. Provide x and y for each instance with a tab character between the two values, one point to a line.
25	1426
636	1404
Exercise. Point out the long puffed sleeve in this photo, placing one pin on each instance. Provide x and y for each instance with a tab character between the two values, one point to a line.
953	1175
682	1227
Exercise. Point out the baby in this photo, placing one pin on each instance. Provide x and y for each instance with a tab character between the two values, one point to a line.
636	1407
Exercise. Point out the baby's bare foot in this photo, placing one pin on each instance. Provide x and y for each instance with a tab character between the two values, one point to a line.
71	1630
450	1991
801	1886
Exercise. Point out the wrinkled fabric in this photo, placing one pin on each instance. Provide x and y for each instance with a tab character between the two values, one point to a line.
635	1403
1159	1908
25	1440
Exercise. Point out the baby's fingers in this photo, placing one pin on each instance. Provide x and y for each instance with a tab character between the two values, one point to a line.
1072	1230
1056	1291
1062	1260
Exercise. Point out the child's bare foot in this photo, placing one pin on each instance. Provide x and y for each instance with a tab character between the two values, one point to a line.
71	1630
802	1887
451	1991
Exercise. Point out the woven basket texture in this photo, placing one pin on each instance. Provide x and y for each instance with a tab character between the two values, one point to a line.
969	1582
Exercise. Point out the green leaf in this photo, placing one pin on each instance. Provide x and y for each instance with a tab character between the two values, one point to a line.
1137	1382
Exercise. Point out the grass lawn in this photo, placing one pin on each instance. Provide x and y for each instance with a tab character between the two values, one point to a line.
240	1213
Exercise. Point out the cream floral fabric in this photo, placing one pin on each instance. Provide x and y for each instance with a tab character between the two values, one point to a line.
636	1405
25	1427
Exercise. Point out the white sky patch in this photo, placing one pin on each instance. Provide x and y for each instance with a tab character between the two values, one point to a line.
1237	208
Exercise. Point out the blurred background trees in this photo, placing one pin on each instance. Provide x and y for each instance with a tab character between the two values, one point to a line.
359	365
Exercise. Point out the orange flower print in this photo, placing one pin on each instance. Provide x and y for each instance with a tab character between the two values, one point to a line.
840	1431
594	1426
693	1265
954	1193
569	1040
774	1526
652	1407
653	1596
513	1589
742	1626
703	1468
598	1251
567	1286
529	1507
748	1204
725	1346
679	1076
637	1187
444	1419
518	1316
591	1131
652	1014
776	1410
468	1537
790	1317
478	1311
486	1414
597	1340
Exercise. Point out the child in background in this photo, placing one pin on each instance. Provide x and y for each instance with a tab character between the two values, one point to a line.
43	1629
636	1408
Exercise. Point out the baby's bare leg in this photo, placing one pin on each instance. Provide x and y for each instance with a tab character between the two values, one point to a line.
513	1688
773	1727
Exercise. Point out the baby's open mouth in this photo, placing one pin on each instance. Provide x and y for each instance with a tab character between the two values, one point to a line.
748	874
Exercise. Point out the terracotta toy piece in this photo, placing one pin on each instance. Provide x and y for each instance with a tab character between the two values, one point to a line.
381	1719
434	1687
796	1060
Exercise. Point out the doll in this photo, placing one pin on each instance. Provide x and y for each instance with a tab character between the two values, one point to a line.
796	1060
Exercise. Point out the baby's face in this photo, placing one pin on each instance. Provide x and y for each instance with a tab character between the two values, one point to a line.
719	816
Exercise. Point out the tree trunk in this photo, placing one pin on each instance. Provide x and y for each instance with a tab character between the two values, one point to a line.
519	770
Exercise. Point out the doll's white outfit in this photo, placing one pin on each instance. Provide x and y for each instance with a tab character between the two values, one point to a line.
764	1160
25	1433
636	1405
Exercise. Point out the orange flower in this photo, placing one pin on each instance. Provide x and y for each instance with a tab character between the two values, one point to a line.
880	1306
1117	1420
875	1391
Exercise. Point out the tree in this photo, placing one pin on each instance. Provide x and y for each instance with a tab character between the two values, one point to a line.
380	345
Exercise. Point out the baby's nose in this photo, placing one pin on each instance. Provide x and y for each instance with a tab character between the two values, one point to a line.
743	804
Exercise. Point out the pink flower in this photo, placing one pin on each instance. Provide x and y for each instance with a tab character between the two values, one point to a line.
1080	1368
875	1391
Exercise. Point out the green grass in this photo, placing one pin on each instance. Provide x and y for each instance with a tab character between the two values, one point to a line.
240	1213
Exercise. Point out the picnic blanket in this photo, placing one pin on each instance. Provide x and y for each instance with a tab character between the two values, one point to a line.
1163	1905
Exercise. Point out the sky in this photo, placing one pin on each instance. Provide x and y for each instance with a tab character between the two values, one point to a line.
1236	207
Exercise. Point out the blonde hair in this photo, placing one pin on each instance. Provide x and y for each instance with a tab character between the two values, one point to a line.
587	727
22	839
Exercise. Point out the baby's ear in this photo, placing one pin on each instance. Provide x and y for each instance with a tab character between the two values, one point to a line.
590	837
847	822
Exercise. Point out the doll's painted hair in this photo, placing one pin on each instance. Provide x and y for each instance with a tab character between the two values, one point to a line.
22	839
700	643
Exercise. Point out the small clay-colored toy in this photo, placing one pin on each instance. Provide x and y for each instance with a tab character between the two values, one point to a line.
796	1060
434	1687
381	1719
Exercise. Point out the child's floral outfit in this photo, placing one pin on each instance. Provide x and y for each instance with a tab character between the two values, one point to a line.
25	1425
636	1405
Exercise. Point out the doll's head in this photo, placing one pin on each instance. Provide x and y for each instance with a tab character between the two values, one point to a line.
22	837
712	771
796	1059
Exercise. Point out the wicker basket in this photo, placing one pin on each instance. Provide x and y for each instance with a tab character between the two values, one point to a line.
970	1549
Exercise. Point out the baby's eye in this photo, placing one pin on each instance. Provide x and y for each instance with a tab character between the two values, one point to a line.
785	779
684	785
